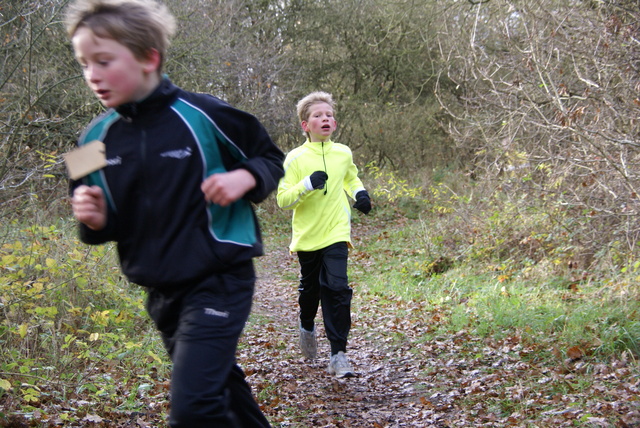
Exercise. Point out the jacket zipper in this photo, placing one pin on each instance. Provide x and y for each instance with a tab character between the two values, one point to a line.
147	215
325	170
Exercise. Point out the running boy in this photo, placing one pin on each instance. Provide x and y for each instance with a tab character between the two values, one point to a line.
317	175
182	171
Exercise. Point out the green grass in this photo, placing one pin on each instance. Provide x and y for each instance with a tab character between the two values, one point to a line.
600	316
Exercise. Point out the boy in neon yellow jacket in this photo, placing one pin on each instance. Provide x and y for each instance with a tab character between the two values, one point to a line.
319	175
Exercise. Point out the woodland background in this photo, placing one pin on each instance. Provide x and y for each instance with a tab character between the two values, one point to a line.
500	141
536	102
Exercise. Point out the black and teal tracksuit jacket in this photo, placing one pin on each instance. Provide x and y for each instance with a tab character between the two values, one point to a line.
158	153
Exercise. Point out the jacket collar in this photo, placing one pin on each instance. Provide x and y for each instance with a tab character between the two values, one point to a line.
319	145
161	97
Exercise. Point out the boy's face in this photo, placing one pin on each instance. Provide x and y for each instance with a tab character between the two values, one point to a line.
111	70
321	122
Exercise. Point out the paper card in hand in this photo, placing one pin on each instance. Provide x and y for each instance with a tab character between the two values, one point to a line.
85	159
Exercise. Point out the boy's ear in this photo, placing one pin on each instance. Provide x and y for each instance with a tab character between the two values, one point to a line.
305	126
152	61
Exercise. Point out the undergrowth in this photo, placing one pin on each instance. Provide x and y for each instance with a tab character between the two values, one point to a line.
500	265
67	313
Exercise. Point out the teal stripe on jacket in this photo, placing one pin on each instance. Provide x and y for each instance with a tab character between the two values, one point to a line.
97	132
226	224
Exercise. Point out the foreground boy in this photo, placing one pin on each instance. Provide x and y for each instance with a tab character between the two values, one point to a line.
317	175
182	171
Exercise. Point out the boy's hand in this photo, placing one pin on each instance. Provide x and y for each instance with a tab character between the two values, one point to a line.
363	202
318	179
90	207
227	187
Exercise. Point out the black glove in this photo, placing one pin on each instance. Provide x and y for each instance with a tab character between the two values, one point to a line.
363	202
318	179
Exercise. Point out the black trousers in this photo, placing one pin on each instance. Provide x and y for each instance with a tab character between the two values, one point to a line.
323	280
200	326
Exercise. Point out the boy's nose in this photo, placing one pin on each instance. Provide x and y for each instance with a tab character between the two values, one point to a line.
91	74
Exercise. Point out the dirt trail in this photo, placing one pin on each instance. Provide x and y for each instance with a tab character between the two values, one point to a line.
383	394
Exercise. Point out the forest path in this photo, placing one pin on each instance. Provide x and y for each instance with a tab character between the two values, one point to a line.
390	389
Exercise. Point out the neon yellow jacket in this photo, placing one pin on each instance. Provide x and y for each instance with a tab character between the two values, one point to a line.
319	219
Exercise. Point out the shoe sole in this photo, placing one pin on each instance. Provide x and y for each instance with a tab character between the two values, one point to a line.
341	376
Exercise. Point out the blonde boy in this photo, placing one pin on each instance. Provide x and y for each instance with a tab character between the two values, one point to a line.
319	175
182	171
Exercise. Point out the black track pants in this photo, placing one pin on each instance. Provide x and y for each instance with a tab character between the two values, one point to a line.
200	326
323	280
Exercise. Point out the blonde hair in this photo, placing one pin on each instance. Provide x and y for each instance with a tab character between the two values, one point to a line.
304	105
140	25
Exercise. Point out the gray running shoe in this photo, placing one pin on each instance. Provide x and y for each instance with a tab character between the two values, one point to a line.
308	344
339	366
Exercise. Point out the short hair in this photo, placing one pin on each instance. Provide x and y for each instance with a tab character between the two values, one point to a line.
140	25
304	105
